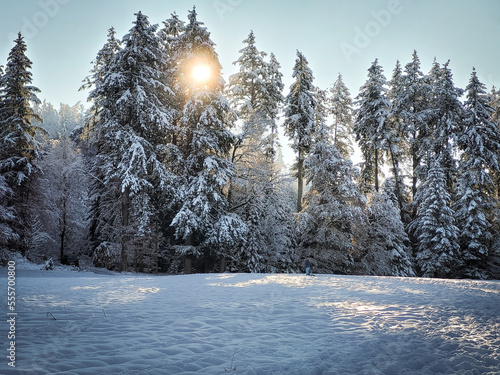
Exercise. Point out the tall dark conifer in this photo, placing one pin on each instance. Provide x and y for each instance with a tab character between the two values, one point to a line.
19	148
300	125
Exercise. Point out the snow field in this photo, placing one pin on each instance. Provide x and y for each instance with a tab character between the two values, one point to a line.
252	324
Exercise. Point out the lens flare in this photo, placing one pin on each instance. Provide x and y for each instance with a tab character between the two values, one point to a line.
201	73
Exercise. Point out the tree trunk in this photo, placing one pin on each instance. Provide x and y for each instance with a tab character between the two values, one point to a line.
125	229
300	181
188	262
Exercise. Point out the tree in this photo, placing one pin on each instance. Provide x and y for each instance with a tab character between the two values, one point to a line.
132	125
332	209
410	106
63	210
395	138
438	252
203	220
474	202
300	125
371	125
255	94
341	109
385	242
446	121
19	149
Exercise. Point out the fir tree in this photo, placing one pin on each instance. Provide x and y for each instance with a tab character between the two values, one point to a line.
203	221
19	148
255	93
300	125
332	208
341	109
385	242
410	106
371	125
394	138
133	122
446	120
474	202
438	252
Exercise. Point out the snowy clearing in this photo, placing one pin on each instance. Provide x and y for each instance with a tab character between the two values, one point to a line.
86	323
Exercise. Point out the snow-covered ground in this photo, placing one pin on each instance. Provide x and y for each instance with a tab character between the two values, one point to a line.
73	322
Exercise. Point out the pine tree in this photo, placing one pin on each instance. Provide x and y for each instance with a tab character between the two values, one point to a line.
371	125
19	148
410	106
96	138
385	243
255	93
438	252
132	125
341	109
300	126
203	221
394	138
332	208
273	101
495	117
474	202
446	120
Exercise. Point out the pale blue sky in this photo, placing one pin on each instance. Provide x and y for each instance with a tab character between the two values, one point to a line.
345	36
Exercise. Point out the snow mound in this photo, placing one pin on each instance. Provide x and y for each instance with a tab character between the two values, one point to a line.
252	324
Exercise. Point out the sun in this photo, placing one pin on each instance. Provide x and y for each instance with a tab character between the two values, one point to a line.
201	73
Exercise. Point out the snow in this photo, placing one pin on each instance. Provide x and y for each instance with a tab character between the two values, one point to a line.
73	322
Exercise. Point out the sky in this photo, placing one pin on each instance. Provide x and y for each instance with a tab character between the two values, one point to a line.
336	36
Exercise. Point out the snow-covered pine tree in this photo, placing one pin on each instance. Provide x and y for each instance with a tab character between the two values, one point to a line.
438	251
371	125
410	106
273	101
255	93
495	117
341	109
96	139
447	114
299	124
385	243
204	222
332	208
19	148
134	120
474	201
397	143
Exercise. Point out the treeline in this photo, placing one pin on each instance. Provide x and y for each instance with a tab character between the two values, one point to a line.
174	170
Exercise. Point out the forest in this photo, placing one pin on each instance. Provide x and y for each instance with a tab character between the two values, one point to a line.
171	169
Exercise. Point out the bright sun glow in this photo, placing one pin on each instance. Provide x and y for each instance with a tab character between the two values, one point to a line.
201	73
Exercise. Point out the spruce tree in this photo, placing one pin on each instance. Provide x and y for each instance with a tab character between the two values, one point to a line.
385	243
255	94
300	125
332	208
394	138
411	107
19	148
371	124
446	121
341	109
203	221
474	201
438	251
132	125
